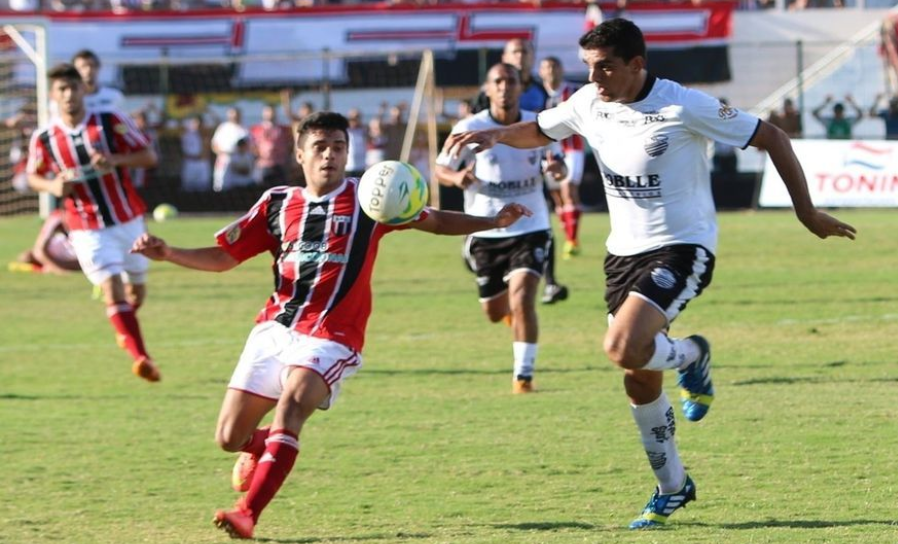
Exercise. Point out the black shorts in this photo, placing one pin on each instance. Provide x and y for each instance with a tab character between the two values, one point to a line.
494	259
668	277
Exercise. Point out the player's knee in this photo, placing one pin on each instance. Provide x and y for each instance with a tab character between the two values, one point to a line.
495	316
623	353
229	440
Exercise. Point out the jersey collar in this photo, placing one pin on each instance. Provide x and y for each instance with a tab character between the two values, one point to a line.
646	88
518	120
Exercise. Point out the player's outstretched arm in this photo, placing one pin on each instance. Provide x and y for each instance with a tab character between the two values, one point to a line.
524	135
454	223
777	144
210	259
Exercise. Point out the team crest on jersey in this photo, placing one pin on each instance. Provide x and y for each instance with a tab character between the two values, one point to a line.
533	157
656	145
233	234
121	128
664	278
726	111
340	224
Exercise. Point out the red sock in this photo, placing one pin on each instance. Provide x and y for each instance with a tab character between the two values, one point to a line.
281	450
256	444
566	218
575	224
126	326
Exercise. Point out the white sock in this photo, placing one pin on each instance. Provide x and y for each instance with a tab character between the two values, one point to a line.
657	428
672	353
524	358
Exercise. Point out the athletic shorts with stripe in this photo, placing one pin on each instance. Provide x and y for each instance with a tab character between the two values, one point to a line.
106	252
668	278
494	260
272	349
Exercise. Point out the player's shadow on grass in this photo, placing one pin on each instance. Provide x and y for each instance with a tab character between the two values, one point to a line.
545	526
480	371
392	537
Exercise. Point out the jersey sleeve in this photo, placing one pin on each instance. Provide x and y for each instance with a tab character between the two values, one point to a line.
465	157
39	160
559	122
248	236
709	117
128	138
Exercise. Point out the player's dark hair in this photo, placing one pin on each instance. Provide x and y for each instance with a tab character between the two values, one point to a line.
63	71
554	60
621	35
86	54
322	120
510	67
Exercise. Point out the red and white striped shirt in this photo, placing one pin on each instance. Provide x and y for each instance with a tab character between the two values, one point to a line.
559	95
324	250
104	199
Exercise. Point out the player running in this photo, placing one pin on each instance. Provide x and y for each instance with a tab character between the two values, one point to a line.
83	157
651	136
508	262
309	336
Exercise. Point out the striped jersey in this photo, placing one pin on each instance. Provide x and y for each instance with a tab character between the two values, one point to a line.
104	198
559	95
324	250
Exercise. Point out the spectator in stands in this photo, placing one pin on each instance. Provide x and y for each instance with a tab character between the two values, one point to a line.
22	124
52	251
519	53
196	170
788	120
838	126
394	129
305	108
150	129
231	144
272	143
377	143
358	144
889	115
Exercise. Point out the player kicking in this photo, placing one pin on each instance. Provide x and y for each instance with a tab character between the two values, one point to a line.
651	136
88	153
509	261
309	335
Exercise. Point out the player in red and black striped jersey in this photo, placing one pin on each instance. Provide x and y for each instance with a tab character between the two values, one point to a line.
567	199
83	157
308	336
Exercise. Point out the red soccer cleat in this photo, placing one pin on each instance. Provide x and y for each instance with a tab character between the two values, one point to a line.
237	522
244	468
145	369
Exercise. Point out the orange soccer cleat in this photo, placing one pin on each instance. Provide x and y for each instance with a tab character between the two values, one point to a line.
145	369
244	468
237	522
521	386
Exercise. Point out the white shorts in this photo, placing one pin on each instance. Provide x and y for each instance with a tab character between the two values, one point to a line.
574	160
106	252
272	349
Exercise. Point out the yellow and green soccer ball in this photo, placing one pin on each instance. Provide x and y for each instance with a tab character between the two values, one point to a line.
393	192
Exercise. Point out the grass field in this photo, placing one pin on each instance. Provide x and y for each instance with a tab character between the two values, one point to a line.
426	444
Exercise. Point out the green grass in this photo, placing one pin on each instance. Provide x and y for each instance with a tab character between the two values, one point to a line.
426	444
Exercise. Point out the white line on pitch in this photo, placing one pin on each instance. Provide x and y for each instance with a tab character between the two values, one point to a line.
837	320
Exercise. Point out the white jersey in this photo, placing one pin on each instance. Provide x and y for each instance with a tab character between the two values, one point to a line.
506	175
654	156
105	99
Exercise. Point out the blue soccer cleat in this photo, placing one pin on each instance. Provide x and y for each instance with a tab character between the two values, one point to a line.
660	507
696	389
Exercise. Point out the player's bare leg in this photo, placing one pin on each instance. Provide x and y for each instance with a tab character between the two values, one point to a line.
122	316
304	391
136	294
238	430
522	290
497	309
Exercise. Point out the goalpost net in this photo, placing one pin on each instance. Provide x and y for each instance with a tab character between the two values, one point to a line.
23	107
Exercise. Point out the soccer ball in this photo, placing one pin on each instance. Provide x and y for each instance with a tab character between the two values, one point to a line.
163	212
393	192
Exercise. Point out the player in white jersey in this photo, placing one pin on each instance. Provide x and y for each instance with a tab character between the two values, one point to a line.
652	139
97	97
508	261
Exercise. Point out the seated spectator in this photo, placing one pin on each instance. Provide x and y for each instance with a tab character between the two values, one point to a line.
358	144
52	251
838	126
889	115
788	120
150	129
377	143
305	108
